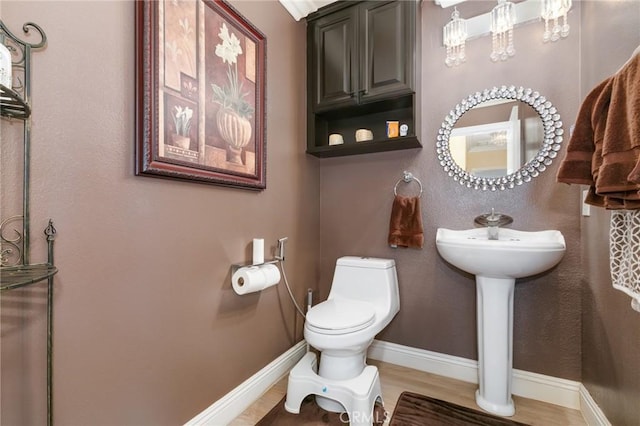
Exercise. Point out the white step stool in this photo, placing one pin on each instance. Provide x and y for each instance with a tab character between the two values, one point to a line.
358	395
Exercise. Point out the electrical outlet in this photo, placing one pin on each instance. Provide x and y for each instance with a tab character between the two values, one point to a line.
586	208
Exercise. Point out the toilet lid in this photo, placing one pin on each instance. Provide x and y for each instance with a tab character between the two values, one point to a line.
336	316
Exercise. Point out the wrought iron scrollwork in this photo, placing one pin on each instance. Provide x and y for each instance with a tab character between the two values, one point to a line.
11	248
20	50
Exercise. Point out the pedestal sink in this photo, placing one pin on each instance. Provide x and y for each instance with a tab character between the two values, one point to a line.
496	265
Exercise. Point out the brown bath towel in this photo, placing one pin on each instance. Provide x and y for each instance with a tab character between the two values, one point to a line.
578	165
405	226
604	150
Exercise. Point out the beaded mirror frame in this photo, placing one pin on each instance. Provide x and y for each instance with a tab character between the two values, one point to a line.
551	144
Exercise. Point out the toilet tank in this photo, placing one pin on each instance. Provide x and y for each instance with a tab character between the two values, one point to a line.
367	279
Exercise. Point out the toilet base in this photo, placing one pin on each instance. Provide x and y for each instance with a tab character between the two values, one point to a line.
357	396
342	366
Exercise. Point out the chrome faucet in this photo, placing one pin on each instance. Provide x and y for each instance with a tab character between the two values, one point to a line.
493	221
493	224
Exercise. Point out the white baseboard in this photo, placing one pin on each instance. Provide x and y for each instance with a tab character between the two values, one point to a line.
554	390
239	399
566	393
592	414
450	366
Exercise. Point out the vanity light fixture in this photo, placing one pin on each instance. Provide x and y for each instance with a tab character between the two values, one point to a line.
499	23
553	10
503	18
455	36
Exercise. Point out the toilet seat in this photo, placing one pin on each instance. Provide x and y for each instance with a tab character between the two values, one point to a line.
338	316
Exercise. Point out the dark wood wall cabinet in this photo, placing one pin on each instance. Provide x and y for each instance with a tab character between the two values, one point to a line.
361	73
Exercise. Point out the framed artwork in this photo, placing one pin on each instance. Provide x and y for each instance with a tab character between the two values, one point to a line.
200	93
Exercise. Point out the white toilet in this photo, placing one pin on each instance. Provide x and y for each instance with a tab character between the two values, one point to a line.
363	300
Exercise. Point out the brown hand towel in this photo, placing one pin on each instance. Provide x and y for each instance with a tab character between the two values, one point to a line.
405	226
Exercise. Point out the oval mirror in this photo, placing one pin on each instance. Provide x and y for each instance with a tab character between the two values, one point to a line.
499	138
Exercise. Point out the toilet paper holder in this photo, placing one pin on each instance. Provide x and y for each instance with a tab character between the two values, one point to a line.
258	252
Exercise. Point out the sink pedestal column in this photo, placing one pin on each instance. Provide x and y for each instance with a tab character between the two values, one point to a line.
495	344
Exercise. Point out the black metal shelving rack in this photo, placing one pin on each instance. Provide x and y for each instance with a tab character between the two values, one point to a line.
16	270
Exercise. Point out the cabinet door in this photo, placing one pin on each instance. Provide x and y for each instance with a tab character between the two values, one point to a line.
333	65
387	39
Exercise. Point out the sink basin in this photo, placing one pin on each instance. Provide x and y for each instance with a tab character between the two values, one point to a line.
497	263
515	254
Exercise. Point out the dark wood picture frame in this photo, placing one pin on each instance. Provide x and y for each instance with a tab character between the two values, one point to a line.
200	94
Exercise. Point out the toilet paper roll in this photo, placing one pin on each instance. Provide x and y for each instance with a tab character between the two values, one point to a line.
250	279
336	139
258	251
364	135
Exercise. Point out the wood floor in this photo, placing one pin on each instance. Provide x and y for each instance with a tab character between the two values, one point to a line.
396	379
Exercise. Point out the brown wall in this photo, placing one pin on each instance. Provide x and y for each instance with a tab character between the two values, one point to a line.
147	328
437	307
611	329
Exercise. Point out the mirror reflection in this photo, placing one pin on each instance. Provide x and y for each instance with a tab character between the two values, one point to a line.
499	138
496	138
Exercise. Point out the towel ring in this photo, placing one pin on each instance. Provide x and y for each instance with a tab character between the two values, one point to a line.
406	178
